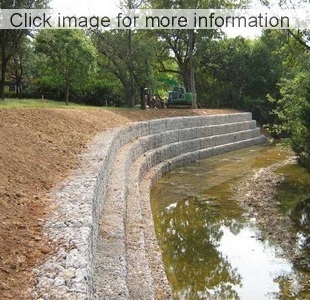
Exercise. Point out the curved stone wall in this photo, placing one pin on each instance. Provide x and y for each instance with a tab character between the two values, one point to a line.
103	227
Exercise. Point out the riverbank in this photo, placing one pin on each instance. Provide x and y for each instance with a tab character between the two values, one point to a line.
39	149
228	225
257	192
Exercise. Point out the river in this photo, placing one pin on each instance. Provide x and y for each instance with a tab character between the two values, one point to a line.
236	226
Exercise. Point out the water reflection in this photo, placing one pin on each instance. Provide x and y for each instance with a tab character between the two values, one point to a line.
192	236
258	264
210	249
294	198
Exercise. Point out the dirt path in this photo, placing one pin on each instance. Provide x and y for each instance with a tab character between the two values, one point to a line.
38	148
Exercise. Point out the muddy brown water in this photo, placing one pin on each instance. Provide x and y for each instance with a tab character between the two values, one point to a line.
212	248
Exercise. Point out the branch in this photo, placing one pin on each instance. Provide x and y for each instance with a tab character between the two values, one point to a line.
299	39
164	69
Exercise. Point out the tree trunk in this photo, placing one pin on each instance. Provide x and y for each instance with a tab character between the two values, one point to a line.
186	76
130	97
131	100
9	42
128	94
142	98
3	72
192	69
19	82
67	92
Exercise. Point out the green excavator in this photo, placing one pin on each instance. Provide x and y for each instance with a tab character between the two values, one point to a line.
177	96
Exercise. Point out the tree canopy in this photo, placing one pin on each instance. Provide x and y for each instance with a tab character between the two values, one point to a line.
267	75
11	40
68	54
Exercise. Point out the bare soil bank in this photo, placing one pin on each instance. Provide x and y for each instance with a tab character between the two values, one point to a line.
38	148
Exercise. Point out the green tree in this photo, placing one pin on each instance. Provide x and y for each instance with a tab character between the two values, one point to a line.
226	65
145	62
10	39
20	66
134	67
238	73
102	89
181	45
292	103
293	109
69	54
117	58
123	54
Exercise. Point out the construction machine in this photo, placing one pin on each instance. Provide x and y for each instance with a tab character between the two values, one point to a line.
177	97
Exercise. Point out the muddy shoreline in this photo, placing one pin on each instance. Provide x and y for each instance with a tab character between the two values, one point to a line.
257	194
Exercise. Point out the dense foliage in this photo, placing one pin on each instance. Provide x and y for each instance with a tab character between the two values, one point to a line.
293	110
67	54
268	76
238	73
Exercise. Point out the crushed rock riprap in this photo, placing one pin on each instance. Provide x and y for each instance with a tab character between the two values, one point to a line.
99	187
39	150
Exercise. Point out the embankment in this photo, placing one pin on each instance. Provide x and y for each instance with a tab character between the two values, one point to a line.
109	248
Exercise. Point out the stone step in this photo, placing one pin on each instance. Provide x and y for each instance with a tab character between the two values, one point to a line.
142	239
167	149
103	227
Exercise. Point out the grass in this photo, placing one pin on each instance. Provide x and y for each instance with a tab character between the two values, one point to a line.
39	103
36	103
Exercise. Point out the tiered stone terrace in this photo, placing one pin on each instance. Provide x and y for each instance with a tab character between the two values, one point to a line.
109	248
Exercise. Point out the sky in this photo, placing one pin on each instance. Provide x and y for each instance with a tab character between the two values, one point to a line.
101	7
